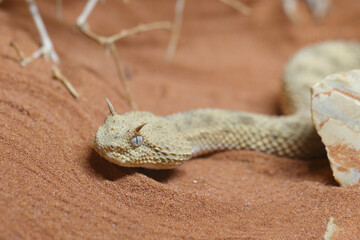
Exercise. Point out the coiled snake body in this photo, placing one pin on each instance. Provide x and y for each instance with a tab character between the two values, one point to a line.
142	139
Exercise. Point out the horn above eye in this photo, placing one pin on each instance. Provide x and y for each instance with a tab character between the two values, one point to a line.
111	108
137	129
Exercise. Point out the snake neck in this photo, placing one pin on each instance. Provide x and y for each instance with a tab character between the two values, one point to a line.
211	130
293	135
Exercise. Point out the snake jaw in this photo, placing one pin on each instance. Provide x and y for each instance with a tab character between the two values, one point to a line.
162	146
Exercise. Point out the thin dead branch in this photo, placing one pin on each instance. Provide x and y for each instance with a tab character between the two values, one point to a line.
122	75
141	28
18	52
59	76
175	33
318	9
109	41
47	48
238	6
289	8
58	10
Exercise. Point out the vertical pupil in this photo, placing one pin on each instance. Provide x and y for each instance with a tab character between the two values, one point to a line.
136	141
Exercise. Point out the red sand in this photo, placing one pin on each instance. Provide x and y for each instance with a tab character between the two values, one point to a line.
53	185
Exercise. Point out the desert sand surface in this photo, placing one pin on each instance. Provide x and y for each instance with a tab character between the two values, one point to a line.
53	185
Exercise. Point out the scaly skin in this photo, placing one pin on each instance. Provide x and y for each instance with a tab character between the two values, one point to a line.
169	141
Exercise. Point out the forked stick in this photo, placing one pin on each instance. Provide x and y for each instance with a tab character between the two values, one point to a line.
109	42
47	48
123	33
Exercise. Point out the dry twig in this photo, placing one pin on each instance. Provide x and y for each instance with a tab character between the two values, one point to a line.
18	52
55	70
47	48
125	32
109	41
175	33
318	8
58	10
289	8
238	6
58	75
122	75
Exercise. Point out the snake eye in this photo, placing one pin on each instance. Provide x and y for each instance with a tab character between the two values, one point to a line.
136	141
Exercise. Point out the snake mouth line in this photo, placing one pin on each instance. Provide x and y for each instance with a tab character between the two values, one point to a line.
106	152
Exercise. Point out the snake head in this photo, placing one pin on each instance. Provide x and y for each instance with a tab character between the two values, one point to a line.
141	139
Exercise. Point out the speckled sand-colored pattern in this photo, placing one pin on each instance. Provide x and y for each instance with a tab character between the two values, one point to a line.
171	140
55	186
